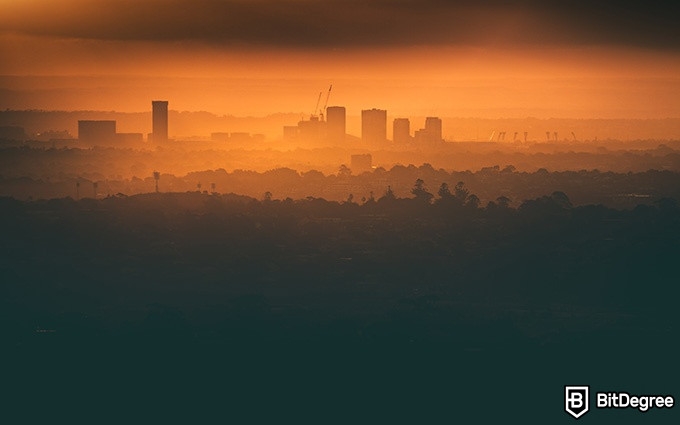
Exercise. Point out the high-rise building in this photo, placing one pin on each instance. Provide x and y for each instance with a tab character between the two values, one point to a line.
290	132
336	123
433	127
374	126
160	121
401	130
312	131
97	132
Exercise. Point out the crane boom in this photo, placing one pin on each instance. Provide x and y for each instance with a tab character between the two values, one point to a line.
318	99
325	105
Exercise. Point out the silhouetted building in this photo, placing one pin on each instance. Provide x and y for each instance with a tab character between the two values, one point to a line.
242	138
50	135
432	133
160	121
312	130
336	123
374	126
129	138
433	127
97	132
421	136
290	132
219	137
401	130
361	163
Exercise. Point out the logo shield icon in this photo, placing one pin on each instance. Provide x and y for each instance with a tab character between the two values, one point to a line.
576	399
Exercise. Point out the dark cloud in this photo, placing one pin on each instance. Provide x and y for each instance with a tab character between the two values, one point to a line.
353	23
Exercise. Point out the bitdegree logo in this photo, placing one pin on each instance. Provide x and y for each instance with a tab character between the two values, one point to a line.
623	400
576	400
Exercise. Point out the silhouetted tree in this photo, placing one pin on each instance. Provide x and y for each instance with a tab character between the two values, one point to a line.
561	199
389	194
472	201
460	192
267	196
444	192
156	176
503	201
344	171
420	192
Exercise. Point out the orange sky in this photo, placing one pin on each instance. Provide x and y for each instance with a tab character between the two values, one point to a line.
432	58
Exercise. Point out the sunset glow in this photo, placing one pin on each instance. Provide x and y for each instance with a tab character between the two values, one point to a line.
263	57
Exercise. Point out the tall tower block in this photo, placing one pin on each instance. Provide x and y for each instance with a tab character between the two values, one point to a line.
401	130
336	122
374	126
433	128
160	121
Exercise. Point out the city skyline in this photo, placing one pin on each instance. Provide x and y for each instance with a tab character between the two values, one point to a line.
443	58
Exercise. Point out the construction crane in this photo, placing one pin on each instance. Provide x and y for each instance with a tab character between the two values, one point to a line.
317	105
322	113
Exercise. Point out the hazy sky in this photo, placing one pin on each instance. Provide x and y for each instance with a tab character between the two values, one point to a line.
350	23
567	58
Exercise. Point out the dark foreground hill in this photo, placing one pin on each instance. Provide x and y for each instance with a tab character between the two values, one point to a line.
442	305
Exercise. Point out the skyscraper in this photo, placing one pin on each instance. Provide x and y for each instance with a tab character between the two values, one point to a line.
336	123
374	126
433	127
401	130
160	121
97	132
